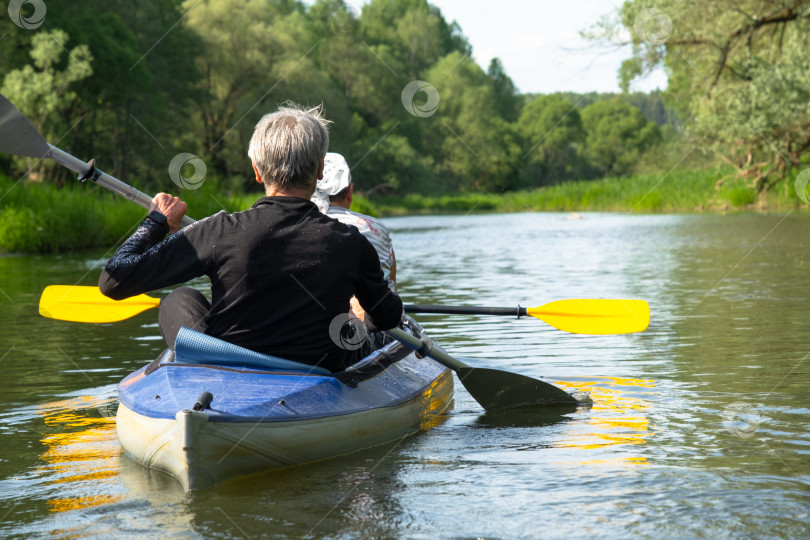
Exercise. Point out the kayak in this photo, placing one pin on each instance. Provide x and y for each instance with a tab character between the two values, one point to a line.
210	411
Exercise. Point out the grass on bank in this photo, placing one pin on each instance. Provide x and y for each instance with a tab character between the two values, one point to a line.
678	191
37	217
40	218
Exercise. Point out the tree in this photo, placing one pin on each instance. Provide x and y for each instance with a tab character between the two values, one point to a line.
134	115
240	53
175	76
506	102
414	30
738	73
141	106
393	165
474	148
42	91
552	133
617	134
365	73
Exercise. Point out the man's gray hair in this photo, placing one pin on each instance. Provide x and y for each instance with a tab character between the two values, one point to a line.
288	145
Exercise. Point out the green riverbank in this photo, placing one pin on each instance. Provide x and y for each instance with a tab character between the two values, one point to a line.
678	191
37	217
40	218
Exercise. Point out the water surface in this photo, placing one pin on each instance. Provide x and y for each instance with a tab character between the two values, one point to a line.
699	426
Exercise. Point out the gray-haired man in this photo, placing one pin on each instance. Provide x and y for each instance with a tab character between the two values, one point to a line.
280	272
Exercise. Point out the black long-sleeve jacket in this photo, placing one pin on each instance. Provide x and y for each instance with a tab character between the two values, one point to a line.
280	273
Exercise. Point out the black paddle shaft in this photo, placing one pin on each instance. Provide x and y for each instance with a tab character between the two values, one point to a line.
466	310
492	388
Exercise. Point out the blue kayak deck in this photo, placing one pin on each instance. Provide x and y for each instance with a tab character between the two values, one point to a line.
243	394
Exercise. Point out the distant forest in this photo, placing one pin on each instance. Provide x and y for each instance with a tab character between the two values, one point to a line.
156	78
134	84
650	104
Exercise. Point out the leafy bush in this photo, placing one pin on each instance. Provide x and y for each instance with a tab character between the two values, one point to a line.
740	196
364	206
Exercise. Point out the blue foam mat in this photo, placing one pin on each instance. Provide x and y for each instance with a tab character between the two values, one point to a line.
193	347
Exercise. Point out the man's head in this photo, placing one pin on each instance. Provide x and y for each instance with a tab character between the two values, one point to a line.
287	147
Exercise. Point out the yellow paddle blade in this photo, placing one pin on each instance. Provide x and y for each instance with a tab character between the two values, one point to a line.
86	304
595	316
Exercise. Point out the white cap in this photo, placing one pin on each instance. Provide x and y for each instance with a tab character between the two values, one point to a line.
336	178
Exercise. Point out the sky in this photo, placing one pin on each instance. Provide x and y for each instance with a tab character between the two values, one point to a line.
539	44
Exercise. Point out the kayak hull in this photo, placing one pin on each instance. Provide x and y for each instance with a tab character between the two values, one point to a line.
275	419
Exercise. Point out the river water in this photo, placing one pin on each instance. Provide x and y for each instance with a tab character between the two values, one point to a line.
699	426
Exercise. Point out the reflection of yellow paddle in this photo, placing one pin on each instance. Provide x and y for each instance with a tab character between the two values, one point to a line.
87	304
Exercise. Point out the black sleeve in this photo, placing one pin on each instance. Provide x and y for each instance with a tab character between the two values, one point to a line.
383	306
146	262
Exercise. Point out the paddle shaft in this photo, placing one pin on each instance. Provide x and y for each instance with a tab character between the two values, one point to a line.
85	170
417	345
465	310
492	388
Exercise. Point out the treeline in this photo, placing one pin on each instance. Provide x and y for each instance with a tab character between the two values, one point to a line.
135	84
651	104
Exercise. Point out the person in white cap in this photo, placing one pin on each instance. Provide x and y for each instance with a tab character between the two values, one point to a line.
333	195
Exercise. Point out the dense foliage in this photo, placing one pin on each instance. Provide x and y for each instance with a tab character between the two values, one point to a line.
738	72
134	84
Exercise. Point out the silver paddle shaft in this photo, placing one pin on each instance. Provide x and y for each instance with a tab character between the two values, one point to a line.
103	179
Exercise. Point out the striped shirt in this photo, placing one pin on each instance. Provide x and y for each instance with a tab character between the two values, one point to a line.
376	233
